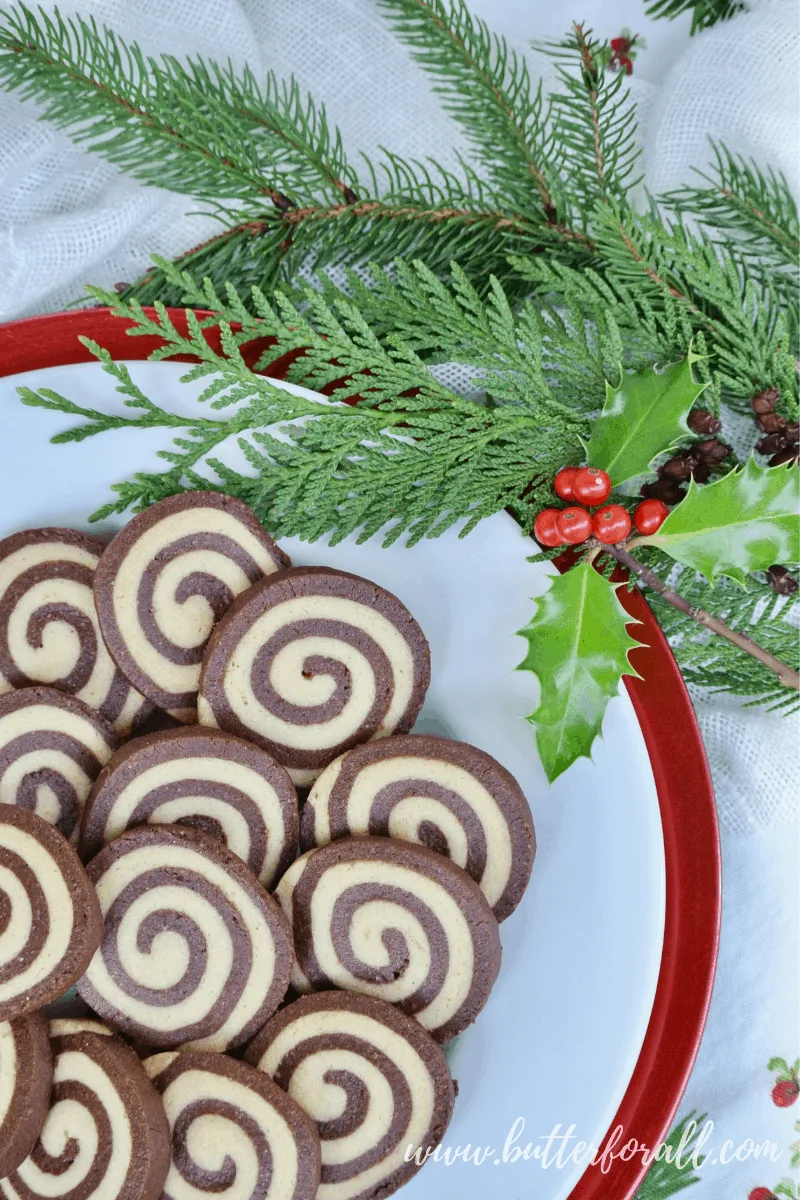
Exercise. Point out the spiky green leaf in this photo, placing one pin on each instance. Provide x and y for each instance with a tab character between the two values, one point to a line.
578	647
744	522
641	418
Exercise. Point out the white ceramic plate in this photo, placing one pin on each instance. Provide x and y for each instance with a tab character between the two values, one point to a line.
557	1043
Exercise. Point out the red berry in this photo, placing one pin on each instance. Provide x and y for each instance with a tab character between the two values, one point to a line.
762	1194
574	525
562	484
785	1093
650	515
591	486
545	528
611	524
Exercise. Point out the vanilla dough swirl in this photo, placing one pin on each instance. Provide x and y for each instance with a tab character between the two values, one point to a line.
26	1077
195	952
373	1080
201	778
49	632
165	580
311	662
52	748
395	921
234	1132
105	1135
50	922
446	795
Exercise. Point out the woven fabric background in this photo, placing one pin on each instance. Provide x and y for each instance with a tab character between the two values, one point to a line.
67	218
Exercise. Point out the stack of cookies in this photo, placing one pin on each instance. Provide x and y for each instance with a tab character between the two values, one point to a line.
263	991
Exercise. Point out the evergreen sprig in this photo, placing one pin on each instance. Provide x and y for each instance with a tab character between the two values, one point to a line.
413	455
673	1172
705	13
562	281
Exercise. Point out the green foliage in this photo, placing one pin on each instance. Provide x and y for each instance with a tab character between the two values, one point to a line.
741	523
641	418
593	130
488	89
413	457
673	1171
562	284
713	663
578	647
705	13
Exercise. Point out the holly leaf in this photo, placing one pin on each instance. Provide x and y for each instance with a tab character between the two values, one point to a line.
578	648
744	522
642	418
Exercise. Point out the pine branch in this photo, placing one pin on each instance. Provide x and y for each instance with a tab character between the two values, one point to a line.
488	89
739	196
672	1173
705	13
594	128
264	159
754	214
670	287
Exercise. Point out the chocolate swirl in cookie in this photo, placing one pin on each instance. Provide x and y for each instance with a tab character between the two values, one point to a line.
26	1076
448	796
164	581
52	747
105	1135
374	1081
195	952
396	921
50	922
234	1132
201	778
313	661
48	625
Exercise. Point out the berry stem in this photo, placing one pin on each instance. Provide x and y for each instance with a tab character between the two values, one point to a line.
787	676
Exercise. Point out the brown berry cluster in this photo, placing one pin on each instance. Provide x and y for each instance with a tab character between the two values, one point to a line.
780	436
697	462
609	524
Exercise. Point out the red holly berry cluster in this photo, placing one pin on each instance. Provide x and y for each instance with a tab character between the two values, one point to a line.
610	524
762	1193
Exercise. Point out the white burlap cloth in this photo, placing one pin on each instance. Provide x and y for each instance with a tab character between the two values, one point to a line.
66	218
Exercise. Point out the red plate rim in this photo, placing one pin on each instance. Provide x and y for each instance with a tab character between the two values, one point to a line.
683	783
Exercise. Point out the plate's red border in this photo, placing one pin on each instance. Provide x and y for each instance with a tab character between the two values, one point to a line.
686	799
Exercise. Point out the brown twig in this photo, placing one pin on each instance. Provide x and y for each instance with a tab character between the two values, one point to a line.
590	73
787	676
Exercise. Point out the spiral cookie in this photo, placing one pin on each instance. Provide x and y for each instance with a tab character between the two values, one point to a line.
52	746
395	921
311	662
164	581
26	1076
374	1081
195	952
105	1136
50	923
202	778
234	1132
48	624
446	795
